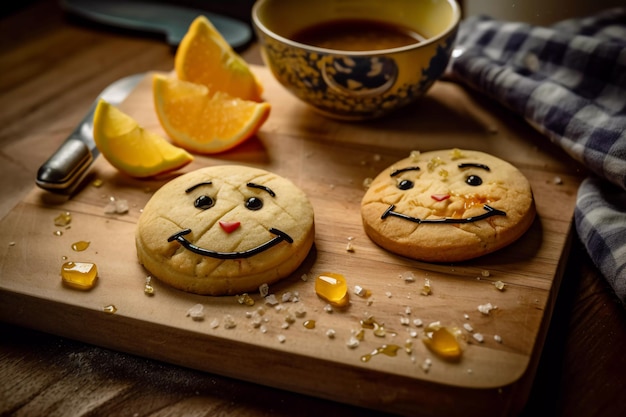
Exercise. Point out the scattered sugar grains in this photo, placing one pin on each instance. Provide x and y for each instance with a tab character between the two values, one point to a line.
486	308
353	342
115	206
300	311
350	245
271	300
196	312
330	333
264	290
499	285
468	327
426	289
245	299
229	322
148	289
497	338
478	337
407	276
281	338
362	292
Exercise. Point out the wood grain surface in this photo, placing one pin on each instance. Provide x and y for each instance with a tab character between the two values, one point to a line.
580	371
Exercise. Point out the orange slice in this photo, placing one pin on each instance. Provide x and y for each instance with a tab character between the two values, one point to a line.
132	149
204	57
202	122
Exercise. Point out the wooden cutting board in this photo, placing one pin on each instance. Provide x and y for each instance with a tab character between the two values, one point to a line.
329	160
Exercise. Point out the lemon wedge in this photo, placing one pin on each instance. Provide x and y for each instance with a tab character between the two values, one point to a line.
132	149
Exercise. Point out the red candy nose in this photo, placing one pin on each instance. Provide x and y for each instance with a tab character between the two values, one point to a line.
229	227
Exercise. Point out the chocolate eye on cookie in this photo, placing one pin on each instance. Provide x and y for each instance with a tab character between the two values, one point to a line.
461	205
243	228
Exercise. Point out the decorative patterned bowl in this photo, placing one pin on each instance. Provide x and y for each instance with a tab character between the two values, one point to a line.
352	84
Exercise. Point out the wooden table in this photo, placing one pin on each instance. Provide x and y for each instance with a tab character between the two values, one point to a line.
52	68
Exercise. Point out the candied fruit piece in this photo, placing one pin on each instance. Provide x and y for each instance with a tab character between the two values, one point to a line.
79	275
332	287
444	343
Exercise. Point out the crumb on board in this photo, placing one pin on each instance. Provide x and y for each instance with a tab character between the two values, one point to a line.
264	290
486	308
407	276
353	342
196	312
271	300
229	322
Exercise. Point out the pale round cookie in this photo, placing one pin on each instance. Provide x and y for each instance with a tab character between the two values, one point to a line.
447	205
225	229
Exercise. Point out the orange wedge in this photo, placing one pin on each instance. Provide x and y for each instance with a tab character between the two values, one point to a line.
204	57
132	149
202	122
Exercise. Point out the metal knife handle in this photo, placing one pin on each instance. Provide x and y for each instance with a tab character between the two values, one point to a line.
65	167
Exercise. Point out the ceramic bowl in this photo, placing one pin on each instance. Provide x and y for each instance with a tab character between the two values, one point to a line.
356	84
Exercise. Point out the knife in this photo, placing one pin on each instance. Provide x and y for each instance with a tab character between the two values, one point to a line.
154	16
66	168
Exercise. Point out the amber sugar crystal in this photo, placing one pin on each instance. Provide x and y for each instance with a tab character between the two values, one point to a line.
332	287
79	275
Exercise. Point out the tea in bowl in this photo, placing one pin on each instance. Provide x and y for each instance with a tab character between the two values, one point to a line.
356	59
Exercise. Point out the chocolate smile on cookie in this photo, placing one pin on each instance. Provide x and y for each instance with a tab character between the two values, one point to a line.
225	230
446	206
280	237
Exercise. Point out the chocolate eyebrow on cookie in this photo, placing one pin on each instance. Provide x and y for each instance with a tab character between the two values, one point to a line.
280	237
474	165
490	212
401	170
200	184
261	187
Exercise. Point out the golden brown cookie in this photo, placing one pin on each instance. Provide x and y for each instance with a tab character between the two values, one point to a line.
225	230
447	206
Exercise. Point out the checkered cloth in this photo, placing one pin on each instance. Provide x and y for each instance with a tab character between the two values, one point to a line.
568	81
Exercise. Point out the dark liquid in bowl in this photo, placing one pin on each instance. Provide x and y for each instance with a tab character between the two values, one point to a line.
357	35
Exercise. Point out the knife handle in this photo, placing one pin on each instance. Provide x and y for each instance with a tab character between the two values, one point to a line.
64	169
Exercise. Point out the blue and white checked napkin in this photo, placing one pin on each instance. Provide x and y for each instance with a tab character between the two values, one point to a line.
568	81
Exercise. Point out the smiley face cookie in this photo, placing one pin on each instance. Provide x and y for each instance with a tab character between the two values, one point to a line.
447	206
225	230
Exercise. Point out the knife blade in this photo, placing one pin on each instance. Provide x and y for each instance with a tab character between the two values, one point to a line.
66	168
173	20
